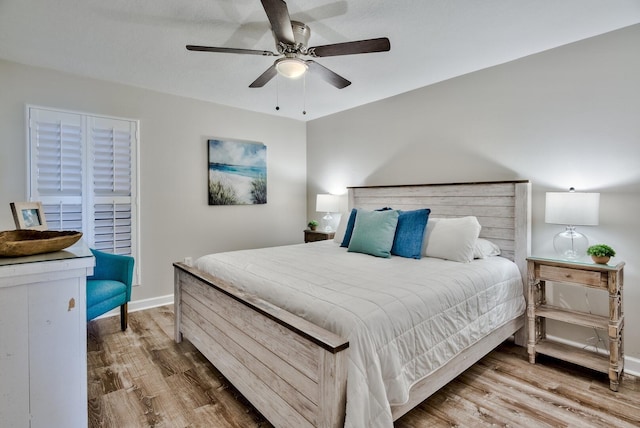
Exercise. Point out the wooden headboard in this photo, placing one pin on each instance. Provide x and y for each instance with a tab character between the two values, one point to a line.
503	209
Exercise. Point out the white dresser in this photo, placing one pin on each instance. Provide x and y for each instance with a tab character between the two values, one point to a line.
43	335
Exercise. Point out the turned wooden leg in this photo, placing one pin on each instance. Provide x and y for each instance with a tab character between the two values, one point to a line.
124	316
532	296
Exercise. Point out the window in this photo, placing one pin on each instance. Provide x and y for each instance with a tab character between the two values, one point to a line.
83	169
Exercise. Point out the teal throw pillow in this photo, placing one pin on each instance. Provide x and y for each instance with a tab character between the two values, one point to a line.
351	223
373	232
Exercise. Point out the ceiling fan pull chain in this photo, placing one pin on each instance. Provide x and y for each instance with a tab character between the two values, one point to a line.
277	94
304	94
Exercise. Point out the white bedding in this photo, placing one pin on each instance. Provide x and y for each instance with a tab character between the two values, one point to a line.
403	317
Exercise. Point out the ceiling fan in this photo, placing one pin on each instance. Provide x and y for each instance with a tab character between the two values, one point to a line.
291	39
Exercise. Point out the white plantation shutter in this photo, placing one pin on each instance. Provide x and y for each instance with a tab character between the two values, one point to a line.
112	163
56	159
83	170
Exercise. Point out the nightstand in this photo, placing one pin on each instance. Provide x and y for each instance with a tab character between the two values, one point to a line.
582	274
317	235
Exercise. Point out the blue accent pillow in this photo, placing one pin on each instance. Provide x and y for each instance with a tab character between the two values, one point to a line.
351	222
373	233
349	230
410	233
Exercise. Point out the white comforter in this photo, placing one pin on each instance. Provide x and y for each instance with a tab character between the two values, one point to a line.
403	317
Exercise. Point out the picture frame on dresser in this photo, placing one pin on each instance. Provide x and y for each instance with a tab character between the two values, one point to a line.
28	215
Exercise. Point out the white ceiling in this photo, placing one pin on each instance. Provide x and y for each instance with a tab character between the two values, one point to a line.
142	43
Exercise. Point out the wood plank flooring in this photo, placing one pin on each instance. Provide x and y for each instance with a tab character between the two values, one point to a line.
142	378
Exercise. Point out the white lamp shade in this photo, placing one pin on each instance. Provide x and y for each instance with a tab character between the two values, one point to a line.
327	203
572	208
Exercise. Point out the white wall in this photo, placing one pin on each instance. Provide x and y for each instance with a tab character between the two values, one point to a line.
566	117
175	218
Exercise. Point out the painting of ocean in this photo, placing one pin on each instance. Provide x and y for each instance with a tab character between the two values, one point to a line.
237	172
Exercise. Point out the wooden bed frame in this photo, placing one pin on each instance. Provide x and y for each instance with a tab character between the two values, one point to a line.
295	372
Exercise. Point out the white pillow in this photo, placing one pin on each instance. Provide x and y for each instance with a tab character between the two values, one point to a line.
451	238
485	248
342	228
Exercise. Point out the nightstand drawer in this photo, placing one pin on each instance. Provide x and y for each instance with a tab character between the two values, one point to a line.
316	235
577	276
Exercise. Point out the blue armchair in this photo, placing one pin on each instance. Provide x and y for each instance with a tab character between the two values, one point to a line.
110	285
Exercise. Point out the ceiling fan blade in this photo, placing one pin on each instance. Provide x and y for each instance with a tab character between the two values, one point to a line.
229	50
381	44
264	77
278	15
328	75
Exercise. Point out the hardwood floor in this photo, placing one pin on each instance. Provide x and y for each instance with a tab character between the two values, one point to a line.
142	378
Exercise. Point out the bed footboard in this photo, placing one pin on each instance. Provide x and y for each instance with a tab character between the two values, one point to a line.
292	371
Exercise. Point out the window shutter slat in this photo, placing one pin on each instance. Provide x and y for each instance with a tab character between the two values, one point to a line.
58	158
113	227
112	160
63	216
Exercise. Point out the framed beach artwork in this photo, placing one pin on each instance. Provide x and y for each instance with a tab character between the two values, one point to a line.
237	172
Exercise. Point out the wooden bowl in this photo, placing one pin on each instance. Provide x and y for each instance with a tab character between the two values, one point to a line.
24	242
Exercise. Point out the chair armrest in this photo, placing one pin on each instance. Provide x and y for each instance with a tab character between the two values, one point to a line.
115	267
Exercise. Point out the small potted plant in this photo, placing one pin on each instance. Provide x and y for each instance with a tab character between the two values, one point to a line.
312	224
601	253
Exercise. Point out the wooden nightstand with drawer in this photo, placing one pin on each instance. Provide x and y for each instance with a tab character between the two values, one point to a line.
583	274
317	235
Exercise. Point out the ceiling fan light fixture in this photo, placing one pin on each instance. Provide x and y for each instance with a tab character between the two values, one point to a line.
291	68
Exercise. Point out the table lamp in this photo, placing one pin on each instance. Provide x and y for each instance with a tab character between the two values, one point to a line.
571	209
328	204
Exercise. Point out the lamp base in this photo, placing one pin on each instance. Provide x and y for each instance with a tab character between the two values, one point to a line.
327	221
570	245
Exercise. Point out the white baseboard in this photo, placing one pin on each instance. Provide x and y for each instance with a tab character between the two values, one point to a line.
139	305
631	365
